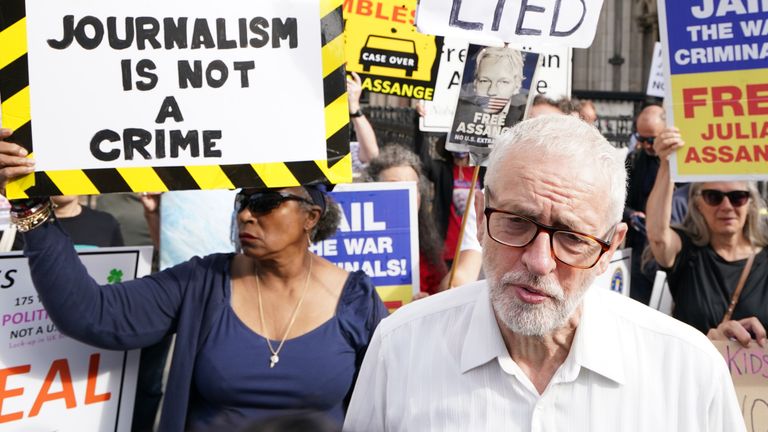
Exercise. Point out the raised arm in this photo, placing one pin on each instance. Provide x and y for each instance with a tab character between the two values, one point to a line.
664	241
369	147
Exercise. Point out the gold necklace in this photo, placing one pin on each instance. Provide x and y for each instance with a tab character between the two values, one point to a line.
274	358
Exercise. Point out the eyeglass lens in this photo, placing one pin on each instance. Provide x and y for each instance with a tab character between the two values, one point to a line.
572	248
714	197
645	139
260	202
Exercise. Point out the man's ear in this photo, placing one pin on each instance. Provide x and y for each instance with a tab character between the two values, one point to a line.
618	236
479	212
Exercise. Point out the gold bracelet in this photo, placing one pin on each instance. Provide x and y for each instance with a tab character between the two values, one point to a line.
34	220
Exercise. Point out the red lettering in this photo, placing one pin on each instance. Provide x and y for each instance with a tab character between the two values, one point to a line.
398	14
348	5
761	152
692	156
90	389
378	12
58	367
726	96
690	100
413	17
757	99
364	7
725	154
709	154
742	154
7	393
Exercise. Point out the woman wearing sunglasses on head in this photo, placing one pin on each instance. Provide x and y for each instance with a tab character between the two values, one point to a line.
271	330
720	242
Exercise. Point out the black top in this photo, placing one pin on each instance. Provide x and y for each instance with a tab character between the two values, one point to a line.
640	178
702	282
89	229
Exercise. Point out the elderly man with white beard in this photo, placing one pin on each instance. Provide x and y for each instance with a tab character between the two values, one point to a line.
535	347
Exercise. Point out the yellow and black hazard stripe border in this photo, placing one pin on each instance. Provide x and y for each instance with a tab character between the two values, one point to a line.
16	115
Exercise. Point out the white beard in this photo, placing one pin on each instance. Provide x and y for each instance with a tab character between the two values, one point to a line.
533	319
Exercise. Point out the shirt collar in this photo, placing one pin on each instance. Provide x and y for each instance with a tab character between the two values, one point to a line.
596	345
483	341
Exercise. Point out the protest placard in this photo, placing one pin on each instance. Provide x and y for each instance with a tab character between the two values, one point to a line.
493	97
716	55
617	277
439	111
379	235
49	381
156	96
749	370
656	81
554	76
385	49
552	23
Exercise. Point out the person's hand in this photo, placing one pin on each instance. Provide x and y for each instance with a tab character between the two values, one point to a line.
354	90
741	330
419	295
150	201
668	142
13	162
421	110
637	220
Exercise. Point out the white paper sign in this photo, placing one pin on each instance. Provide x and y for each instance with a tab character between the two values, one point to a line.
174	82
554	75
50	382
617	276
439	111
543	23
656	79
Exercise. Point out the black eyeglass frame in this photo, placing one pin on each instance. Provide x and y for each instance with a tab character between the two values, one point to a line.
243	200
644	139
551	230
719	196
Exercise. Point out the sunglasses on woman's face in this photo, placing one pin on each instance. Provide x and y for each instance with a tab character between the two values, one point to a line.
264	201
714	197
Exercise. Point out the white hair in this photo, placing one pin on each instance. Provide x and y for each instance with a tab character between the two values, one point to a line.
564	137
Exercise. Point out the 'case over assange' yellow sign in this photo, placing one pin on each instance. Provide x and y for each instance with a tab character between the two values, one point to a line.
384	47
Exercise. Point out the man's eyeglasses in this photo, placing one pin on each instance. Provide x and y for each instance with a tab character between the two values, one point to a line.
264	201
644	139
714	197
573	248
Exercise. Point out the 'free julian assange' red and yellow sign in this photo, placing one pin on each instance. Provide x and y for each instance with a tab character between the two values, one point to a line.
718	68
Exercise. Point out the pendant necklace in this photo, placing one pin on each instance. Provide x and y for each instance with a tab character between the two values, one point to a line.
275	357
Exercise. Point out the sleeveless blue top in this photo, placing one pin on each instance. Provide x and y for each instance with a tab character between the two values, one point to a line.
233	383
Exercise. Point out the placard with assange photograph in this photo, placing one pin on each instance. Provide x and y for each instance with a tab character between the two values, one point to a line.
494	96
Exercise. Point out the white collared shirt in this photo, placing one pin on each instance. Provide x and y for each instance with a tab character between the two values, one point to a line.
440	364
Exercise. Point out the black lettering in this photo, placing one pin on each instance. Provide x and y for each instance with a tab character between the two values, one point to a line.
125	69
136	140
175	33
553	32
209	144
201	35
143	68
258	25
243	67
147	29
287	29
497	14
169	108
242	26
179	141
82	37
455	80
114	40
221	35
523	9
159	143
98	138
189	76
454	20
9	274
541	87
216	66
68	24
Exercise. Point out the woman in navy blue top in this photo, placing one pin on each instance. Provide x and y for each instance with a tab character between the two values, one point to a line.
270	331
